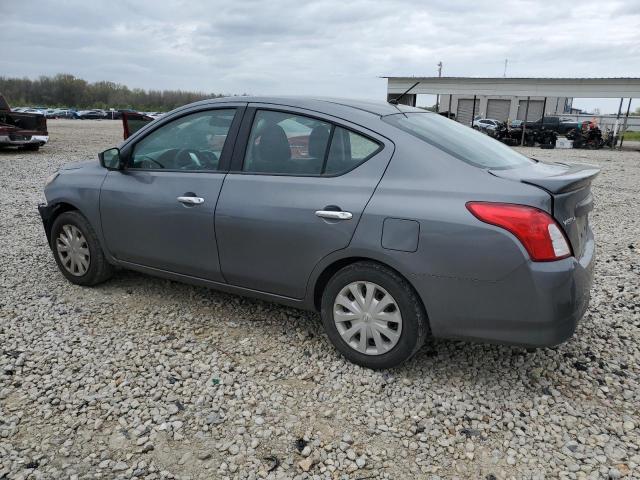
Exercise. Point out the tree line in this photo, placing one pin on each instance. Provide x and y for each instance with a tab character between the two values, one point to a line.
65	90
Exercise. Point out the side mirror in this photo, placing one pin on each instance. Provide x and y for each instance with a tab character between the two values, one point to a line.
110	159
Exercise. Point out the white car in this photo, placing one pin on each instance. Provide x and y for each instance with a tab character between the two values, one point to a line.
486	124
154	115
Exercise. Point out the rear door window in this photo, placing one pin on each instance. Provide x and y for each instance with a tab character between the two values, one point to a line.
286	143
348	150
292	144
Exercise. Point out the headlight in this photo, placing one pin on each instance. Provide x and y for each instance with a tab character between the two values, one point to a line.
51	178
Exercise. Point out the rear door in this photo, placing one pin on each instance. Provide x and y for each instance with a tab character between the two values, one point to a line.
298	186
159	211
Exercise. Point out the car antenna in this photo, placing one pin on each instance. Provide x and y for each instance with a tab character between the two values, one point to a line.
397	99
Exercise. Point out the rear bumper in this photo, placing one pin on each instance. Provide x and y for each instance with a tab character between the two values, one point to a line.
538	304
11	140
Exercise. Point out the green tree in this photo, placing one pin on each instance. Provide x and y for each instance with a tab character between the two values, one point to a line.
65	90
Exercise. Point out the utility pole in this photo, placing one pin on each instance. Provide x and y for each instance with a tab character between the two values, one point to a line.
504	74
438	96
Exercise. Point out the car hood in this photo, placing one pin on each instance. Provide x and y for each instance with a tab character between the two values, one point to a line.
79	165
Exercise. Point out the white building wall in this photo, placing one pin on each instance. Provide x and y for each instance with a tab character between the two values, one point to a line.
555	105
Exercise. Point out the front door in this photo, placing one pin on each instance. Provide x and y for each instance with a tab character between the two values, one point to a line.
296	196
159	211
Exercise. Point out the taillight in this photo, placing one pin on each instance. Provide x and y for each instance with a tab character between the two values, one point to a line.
537	230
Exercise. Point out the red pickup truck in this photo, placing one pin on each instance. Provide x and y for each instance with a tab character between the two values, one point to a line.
25	130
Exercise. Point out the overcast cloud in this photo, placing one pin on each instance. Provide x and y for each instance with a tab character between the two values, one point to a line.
330	47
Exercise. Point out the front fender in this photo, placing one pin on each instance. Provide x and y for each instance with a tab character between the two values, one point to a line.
75	189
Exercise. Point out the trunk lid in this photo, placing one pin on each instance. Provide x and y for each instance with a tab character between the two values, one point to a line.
570	190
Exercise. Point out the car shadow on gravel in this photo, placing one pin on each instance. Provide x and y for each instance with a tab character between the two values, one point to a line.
475	362
18	151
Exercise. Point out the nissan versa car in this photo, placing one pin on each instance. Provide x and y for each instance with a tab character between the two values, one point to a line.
394	223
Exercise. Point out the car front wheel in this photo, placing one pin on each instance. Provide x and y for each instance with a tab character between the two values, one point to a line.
373	316
77	250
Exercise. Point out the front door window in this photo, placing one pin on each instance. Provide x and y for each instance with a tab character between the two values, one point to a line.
191	143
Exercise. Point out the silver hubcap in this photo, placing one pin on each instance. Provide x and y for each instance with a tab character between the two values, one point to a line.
367	318
73	250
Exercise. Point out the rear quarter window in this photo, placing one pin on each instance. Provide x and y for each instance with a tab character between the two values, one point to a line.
458	140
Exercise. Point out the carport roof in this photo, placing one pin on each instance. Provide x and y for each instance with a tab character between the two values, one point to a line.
617	87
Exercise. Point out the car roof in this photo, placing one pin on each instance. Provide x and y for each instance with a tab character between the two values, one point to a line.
374	107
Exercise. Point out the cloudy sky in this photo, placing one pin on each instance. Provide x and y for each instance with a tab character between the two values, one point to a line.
328	47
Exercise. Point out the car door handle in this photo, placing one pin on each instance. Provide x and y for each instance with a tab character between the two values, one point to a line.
191	200
334	215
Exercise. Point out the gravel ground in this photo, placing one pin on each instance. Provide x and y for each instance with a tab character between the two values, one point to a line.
147	378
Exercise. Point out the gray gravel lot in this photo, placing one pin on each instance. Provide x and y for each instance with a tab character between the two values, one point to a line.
145	378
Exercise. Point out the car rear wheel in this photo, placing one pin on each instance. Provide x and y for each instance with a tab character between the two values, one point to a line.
373	316
77	251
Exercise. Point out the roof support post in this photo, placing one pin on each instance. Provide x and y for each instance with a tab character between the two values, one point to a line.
449	112
616	127
544	107
524	123
473	112
624	128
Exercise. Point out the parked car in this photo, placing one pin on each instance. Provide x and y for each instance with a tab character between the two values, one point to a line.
486	124
92	114
154	115
66	113
21	129
555	124
395	223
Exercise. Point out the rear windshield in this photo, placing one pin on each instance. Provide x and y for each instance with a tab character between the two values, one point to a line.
458	140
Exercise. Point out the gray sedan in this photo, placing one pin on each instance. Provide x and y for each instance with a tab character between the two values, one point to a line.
395	223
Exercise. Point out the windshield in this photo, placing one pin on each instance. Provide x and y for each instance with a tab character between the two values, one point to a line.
458	140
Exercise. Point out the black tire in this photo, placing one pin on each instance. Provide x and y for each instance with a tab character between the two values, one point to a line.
32	148
99	269
415	325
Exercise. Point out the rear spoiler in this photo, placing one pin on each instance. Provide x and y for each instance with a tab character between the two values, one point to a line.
554	178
